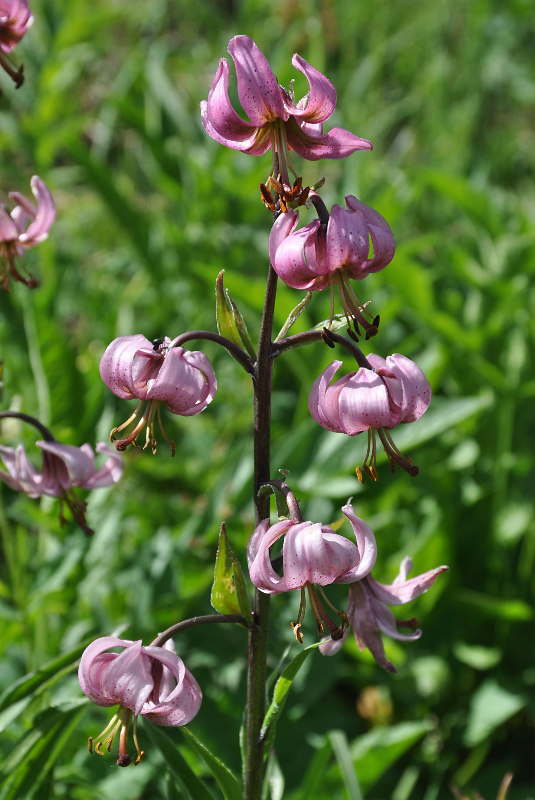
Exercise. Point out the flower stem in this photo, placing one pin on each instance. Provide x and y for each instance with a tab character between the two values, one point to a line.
258	633
206	619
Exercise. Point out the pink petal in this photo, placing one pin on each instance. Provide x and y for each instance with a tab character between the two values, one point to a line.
366	544
111	472
402	590
259	92
296	262
44	217
116	364
381	235
365	403
347	241
262	574
9	232
316	554
72	466
321	97
416	388
223	124
186	382
21	475
324	399
94	660
282	227
180	696
311	144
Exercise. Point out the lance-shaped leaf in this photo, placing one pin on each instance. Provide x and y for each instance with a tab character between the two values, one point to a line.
229	592
294	314
230	322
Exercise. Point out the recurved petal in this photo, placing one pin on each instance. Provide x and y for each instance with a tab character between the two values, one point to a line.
116	364
258	89
309	142
323	400
9	232
296	262
262	574
364	403
186	382
21	475
127	678
361	613
281	229
42	218
72	466
179	697
416	388
347	241
93	662
221	121
314	553
321	99
111	471
384	245
366	544
404	590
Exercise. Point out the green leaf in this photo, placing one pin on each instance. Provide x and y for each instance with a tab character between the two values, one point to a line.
514	610
490	707
375	752
294	314
230	322
224	777
342	754
33	758
224	596
280	693
40	679
188	781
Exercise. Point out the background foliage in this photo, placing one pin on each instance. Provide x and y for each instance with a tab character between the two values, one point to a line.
149	211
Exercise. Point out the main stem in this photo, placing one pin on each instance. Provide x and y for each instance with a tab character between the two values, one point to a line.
258	633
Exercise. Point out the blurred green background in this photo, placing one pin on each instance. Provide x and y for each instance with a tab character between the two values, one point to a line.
149	211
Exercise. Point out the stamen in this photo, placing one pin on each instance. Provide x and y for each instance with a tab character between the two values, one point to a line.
323	620
139	751
296	626
170	442
395	456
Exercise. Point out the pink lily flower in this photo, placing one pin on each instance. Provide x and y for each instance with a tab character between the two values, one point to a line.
312	553
151	681
370	617
394	391
63	468
22	228
275	119
345	244
15	19
155	373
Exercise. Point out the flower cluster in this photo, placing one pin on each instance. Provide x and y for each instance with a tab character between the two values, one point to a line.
148	681
314	556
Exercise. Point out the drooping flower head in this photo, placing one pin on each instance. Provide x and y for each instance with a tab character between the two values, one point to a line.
15	19
64	467
312	555
370	617
393	391
25	226
349	243
275	121
155	373
151	681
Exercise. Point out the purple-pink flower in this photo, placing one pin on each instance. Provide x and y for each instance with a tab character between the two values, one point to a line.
370	617
393	391
24	227
312	554
151	681
346	244
275	119
155	373
15	19
63	468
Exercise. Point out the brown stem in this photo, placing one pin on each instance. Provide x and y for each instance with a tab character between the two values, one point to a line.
206	619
